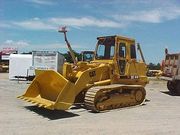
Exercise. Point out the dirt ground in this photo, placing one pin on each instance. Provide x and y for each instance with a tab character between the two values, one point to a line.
159	116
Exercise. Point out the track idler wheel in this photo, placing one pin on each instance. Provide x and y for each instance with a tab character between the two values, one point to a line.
139	96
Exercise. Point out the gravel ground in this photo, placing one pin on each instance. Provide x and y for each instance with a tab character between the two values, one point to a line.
159	116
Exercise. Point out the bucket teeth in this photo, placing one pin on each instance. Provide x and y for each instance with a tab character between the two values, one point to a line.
20	97
40	105
26	99
36	103
33	102
45	106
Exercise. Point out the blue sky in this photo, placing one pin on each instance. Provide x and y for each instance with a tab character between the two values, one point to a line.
33	24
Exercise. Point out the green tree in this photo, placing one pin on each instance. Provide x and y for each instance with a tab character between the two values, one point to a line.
153	66
69	58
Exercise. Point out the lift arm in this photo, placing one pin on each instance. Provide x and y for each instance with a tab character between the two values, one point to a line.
63	30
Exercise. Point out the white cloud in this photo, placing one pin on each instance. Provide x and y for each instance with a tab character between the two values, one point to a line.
5	25
42	2
54	23
25	46
55	46
34	24
14	44
151	16
86	21
155	15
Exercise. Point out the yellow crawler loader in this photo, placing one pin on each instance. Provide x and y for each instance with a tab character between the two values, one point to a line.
113	79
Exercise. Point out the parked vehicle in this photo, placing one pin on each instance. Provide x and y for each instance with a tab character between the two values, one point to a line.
171	72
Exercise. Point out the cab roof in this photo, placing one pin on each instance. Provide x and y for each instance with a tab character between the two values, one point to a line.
118	36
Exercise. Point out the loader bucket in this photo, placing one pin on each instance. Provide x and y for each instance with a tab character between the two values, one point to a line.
50	90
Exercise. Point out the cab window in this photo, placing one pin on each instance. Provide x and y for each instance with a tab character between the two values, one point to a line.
122	50
105	49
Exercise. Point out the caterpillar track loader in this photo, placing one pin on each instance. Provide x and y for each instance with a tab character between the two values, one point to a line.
113	79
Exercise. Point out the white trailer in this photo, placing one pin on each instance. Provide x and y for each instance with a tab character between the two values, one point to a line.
23	66
19	66
47	60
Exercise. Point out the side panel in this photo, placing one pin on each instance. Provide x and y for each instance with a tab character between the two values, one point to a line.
129	70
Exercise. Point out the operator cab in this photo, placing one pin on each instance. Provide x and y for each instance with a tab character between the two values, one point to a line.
117	49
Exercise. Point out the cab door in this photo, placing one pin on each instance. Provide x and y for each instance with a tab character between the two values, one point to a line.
121	60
